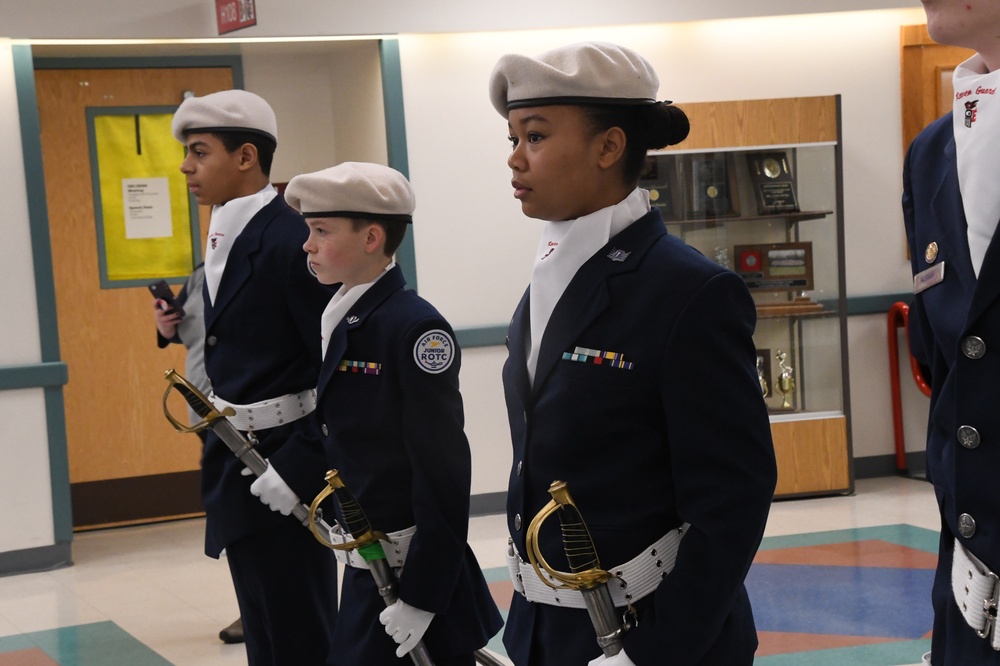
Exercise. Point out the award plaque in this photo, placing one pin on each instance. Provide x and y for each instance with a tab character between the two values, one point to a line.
659	177
775	266
711	186
779	268
772	183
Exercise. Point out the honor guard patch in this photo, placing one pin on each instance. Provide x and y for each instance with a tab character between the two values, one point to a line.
434	351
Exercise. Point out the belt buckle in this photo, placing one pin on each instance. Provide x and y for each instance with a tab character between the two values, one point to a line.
990	610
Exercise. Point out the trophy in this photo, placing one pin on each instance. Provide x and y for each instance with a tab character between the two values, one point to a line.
786	380
722	256
760	376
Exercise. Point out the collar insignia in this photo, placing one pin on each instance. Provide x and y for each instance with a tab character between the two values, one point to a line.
618	255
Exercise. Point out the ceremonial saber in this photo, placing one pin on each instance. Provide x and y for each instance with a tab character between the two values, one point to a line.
241	446
369	546
310	516
586	574
366	542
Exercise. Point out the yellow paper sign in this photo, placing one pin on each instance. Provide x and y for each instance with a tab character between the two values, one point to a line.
144	202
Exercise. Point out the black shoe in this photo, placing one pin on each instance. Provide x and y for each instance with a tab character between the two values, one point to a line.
233	633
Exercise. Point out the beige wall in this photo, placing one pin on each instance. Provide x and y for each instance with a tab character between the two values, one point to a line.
472	244
328	100
25	488
111	19
475	263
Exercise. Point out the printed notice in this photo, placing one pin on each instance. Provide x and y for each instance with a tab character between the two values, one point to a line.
147	207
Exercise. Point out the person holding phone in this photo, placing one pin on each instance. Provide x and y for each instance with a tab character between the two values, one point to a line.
181	320
175	324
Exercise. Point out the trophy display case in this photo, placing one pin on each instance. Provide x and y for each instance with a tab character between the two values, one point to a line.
757	187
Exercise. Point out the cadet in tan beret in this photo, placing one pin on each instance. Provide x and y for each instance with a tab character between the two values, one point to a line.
262	314
392	419
631	377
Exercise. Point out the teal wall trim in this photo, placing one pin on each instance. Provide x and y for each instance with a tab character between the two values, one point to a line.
31	560
52	373
41	375
38	214
879	304
395	134
486	336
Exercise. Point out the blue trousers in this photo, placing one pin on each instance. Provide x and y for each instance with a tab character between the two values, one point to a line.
286	586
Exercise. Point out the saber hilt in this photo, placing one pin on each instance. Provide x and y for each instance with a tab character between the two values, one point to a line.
368	544
196	400
586	575
366	540
241	445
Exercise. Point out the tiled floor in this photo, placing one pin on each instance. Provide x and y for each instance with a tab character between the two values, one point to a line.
827	586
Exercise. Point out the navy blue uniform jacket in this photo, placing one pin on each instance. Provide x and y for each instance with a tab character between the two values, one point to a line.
963	390
397	439
262	340
682	437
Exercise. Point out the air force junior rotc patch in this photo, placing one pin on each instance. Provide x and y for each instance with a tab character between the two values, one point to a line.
434	351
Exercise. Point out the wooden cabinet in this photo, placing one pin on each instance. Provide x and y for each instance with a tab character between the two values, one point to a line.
758	188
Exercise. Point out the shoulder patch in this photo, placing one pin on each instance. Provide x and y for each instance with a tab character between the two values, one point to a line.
434	351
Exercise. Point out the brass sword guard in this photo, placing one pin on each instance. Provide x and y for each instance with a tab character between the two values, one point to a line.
581	580
196	399
333	484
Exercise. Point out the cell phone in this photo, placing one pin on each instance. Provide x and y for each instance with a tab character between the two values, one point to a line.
161	290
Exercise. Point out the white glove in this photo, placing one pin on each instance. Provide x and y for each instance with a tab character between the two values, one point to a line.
273	491
620	659
405	624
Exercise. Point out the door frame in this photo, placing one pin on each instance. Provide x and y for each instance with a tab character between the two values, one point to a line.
52	373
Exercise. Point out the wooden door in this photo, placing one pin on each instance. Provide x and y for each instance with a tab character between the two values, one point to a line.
926	79
126	463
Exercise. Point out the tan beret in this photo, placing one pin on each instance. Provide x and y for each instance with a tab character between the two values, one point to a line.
584	73
353	189
226	111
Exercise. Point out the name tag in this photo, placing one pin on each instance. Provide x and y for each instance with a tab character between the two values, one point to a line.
928	278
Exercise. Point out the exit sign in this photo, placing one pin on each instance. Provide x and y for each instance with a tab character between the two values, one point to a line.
235	14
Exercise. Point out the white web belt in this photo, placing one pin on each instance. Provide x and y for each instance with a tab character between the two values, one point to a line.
976	591
395	548
268	413
631	581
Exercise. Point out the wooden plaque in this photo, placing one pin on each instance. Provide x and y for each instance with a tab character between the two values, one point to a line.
773	185
775	266
711	186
